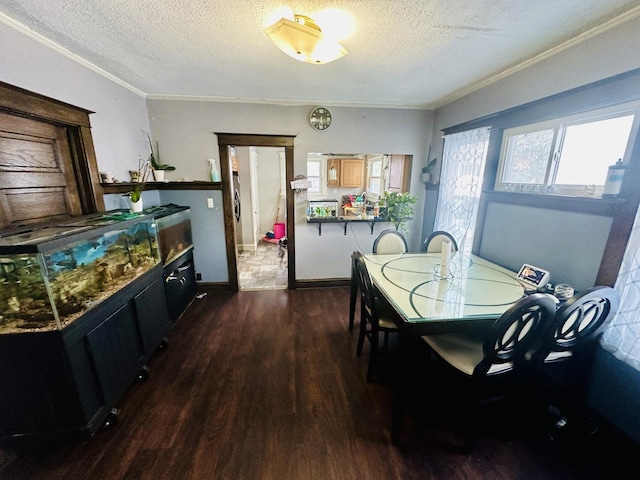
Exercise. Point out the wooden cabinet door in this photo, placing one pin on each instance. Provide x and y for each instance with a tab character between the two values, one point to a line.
351	172
331	163
399	168
36	176
153	316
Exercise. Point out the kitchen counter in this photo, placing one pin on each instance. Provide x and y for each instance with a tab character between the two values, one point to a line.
344	220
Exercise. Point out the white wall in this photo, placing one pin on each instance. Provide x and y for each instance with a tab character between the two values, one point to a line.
270	202
120	115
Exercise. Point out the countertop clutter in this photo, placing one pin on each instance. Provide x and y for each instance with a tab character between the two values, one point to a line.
352	208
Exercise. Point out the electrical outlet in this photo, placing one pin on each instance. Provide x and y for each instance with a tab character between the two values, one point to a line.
198	276
209	202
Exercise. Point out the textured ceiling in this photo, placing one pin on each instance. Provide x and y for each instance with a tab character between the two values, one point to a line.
416	53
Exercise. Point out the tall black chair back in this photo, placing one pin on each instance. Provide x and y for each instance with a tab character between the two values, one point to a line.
512	335
577	323
376	316
492	364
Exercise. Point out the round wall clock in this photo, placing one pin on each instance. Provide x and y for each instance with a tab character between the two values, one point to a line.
320	118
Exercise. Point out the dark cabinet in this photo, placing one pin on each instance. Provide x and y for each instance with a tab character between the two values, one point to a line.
180	285
68	380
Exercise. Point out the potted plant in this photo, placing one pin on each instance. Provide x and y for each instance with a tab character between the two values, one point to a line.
426	171
138	179
398	208
154	160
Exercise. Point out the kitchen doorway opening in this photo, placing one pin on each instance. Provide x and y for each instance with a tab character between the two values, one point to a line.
233	228
260	208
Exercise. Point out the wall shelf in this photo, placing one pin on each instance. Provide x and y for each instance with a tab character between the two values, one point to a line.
124	187
344	222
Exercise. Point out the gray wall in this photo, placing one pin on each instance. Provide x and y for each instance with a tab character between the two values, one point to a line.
120	114
573	243
569	245
186	133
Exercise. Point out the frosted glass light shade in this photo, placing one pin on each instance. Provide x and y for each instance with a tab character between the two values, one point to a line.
303	42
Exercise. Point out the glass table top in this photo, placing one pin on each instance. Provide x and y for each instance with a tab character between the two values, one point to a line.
475	288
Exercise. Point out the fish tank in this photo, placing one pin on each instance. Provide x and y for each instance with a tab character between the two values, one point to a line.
52	275
174	232
322	209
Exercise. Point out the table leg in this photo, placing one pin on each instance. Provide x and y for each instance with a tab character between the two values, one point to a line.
400	393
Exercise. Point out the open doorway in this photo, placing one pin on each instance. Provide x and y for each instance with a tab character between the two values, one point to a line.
226	140
260	206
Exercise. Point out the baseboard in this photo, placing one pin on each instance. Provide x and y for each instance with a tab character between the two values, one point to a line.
323	283
211	286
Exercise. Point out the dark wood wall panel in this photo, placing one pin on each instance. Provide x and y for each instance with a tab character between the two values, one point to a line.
47	163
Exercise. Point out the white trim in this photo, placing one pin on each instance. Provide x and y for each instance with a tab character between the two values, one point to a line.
10	22
593	32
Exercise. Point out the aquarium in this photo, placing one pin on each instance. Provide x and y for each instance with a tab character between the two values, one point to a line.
52	275
174	231
322	209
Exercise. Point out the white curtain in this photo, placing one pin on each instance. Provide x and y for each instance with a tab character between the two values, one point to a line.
463	164
622	337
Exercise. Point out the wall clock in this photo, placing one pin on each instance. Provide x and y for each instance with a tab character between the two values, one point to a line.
320	118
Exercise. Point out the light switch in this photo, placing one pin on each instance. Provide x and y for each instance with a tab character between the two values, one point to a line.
209	202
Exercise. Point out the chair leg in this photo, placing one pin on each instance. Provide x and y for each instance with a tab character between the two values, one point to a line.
352	300
373	354
363	331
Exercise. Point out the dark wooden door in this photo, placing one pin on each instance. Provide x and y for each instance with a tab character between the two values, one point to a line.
37	181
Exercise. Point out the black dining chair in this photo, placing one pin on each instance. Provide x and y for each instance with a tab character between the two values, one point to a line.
353	290
488	364
390	241
433	243
560	362
377	318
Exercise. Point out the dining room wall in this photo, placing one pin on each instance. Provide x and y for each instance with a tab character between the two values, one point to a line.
572	79
120	112
570	244
185	130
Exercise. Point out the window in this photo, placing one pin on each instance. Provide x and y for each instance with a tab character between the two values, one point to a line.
315	174
463	162
569	156
375	180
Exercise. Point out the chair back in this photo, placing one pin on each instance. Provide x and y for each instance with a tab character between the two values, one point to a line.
512	335
433	243
367	293
577	323
390	241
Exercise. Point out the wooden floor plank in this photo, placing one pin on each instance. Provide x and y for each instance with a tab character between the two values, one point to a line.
266	385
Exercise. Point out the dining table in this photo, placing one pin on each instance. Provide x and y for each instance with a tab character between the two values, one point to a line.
433	294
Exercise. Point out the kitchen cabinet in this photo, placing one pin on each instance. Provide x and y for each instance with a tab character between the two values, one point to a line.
351	172
399	171
333	164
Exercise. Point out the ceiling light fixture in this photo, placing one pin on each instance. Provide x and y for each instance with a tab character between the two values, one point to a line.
302	39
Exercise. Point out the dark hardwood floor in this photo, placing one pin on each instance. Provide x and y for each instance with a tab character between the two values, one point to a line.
266	385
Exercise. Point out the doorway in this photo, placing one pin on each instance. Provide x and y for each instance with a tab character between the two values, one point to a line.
258	179
226	140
